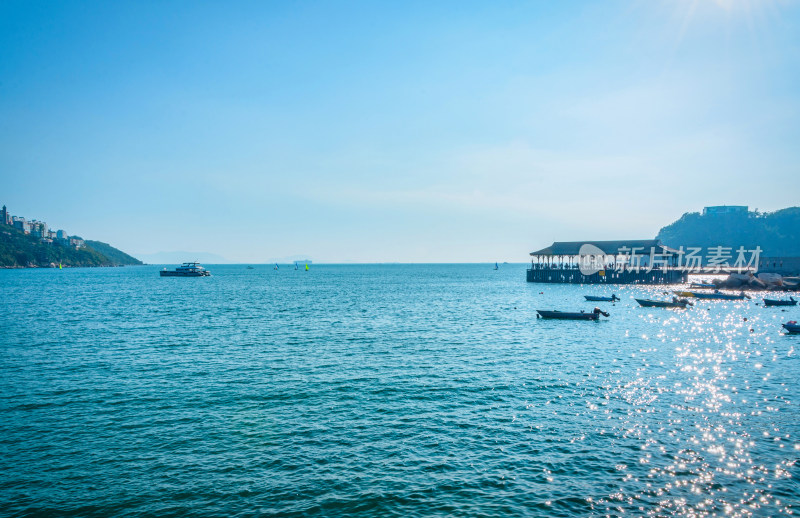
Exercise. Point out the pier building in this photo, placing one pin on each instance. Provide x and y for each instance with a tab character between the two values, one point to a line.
643	261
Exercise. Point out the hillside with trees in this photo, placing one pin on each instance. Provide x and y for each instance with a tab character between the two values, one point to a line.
20	250
117	257
775	232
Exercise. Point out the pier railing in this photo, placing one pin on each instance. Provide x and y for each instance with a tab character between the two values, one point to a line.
574	276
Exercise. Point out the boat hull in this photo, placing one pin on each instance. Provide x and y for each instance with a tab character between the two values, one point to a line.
792	329
718	296
168	273
769	302
661	303
561	315
592	298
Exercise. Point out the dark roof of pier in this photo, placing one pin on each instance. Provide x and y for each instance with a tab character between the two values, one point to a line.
609	247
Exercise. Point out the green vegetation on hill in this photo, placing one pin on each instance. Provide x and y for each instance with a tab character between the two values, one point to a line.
775	232
18	249
117	257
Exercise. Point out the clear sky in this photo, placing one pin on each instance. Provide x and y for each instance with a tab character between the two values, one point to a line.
393	131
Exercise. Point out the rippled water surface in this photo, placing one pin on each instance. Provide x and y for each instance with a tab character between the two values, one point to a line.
386	390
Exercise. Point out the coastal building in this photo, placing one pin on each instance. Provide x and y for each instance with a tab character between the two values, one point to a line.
21	224
724	209
645	261
39	229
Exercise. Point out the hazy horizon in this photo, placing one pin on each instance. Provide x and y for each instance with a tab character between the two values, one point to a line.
413	133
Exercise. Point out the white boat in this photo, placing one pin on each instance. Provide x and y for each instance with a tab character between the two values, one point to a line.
186	270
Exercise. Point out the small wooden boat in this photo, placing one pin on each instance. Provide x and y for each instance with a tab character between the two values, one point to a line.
792	327
683	293
772	302
593	298
718	295
674	303
563	315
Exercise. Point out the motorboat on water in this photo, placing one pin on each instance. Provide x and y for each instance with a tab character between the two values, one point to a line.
713	295
594	298
773	302
701	285
674	303
186	270
564	315
718	295
792	327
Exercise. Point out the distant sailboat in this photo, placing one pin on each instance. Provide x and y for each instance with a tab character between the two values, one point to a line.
496	267
306	266
59	266
276	266
295	265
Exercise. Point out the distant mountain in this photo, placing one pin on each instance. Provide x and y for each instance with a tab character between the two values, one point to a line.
775	232
290	259
182	257
18	249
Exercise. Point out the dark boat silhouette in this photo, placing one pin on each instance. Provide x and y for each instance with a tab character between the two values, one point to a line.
792	327
674	303
594	298
564	315
774	302
718	295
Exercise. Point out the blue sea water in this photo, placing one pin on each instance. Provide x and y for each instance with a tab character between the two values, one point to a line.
386	390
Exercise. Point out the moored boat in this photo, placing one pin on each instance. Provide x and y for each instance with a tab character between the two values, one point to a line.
192	269
565	315
773	302
701	285
718	295
792	327
674	303
594	298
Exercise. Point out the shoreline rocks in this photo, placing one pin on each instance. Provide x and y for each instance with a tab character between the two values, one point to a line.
760	282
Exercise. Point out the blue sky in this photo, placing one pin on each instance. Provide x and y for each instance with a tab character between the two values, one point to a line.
407	131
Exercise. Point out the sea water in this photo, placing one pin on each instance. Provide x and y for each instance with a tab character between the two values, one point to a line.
386	390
